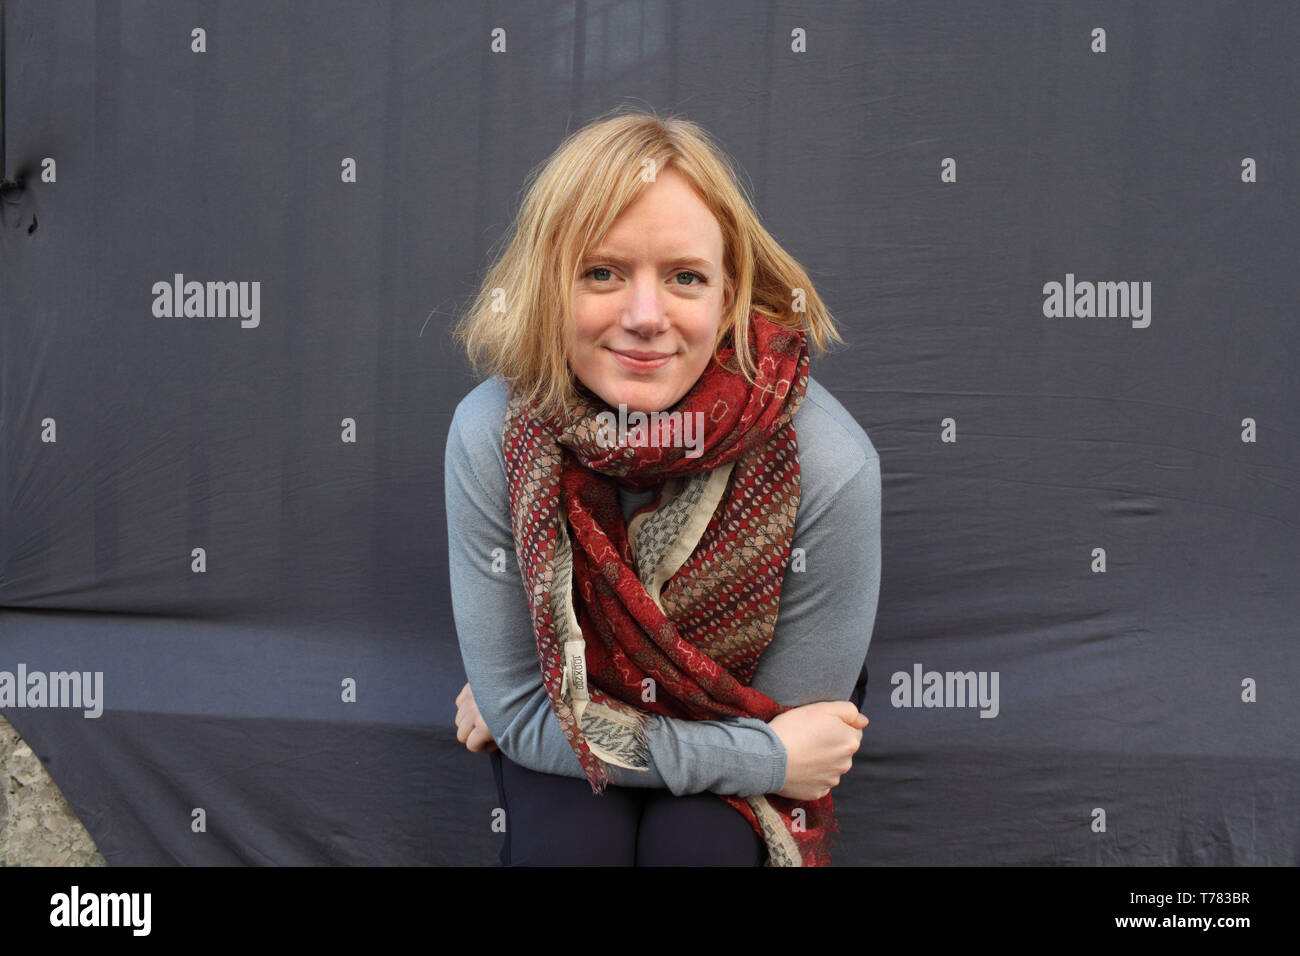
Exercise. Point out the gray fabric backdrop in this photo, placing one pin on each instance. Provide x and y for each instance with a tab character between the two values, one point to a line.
934	165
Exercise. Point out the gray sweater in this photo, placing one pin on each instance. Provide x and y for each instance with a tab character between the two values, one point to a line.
827	610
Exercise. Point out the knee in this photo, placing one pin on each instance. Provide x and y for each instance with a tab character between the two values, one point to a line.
558	821
696	830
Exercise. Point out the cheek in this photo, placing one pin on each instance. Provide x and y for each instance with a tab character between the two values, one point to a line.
587	326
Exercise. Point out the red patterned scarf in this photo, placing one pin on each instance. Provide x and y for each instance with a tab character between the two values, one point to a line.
669	612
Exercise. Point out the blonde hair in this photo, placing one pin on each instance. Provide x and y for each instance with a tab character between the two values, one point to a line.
572	200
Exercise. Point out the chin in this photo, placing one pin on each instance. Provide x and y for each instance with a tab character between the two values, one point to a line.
642	400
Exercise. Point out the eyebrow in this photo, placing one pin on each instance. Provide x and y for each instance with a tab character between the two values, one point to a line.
620	261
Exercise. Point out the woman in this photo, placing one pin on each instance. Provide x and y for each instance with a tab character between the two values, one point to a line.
699	585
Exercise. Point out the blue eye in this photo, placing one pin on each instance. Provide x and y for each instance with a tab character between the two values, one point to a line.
605	269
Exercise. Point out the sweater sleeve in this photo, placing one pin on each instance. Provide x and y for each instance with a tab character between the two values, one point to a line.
494	630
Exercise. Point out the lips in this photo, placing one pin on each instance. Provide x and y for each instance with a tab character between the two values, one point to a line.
639	361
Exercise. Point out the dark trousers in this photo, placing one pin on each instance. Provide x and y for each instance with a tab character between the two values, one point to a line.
558	821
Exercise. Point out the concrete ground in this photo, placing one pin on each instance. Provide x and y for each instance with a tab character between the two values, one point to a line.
37	828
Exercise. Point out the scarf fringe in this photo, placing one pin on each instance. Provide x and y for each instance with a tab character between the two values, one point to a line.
617	737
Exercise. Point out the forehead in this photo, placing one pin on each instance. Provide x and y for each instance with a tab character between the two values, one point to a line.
667	219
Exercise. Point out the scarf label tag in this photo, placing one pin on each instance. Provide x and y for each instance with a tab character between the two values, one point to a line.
575	668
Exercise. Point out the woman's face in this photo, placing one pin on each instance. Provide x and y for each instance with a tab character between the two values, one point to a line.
649	299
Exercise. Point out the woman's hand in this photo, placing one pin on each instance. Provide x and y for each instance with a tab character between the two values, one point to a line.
820	741
470	729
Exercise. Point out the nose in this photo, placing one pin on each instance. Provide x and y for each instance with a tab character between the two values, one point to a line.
644	312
